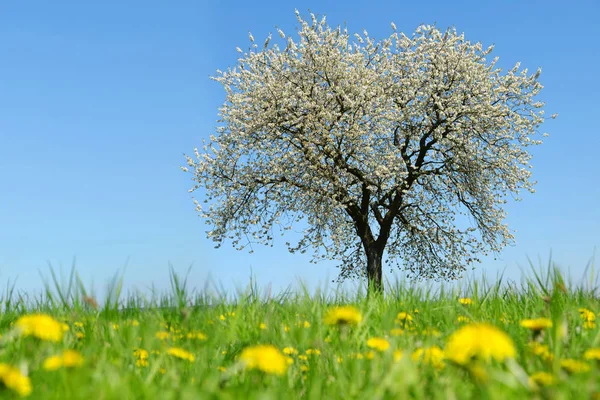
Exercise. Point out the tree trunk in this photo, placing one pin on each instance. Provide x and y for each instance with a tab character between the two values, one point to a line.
374	269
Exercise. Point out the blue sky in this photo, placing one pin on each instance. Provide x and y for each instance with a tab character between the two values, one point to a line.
99	101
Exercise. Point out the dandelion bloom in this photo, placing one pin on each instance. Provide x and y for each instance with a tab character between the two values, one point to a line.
141	357
397	355
13	379
72	358
481	341
461	319
266	358
404	317
41	326
344	315
433	356
541	350
589	325
196	335
587	315
68	359
541	379
52	363
316	352
592	354
465	301
181	353
379	344
289	350
574	366
536	324
162	335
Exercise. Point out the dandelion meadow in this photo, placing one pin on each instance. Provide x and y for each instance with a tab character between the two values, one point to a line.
537	340
388	139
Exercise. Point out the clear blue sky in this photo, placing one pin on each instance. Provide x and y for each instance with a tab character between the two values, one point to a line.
99	101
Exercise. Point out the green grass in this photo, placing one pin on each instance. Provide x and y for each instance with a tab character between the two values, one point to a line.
110	332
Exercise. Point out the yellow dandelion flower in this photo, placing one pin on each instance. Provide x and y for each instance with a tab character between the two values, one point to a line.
262	326
592	354
303	357
72	358
574	366
289	350
315	352
162	335
222	317
141	357
536	324
587	315
181	353
482	341
68	359
397	355
79	335
200	336
433	356
541	379
344	315
115	327
306	324
465	301
540	350
78	324
265	358
41	326
462	319
379	344
140	354
304	368
52	363
13	379
286	328
339	359
404	317
589	325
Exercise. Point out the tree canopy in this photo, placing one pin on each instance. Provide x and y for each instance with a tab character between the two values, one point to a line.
381	145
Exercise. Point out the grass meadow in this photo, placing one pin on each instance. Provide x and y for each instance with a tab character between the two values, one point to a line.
496	340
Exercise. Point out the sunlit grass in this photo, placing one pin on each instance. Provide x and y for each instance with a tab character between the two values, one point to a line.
408	343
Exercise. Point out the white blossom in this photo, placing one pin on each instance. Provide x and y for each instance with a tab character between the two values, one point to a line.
391	143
